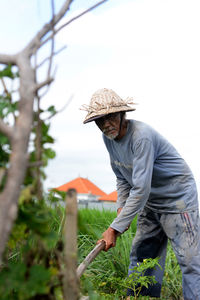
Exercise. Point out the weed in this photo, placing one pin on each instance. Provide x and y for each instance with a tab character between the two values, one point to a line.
137	279
172	281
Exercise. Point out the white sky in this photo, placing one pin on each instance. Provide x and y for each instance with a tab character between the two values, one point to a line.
147	49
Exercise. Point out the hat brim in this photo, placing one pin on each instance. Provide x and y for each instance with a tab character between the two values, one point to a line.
90	119
93	118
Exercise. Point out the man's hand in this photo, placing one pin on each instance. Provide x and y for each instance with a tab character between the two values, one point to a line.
109	236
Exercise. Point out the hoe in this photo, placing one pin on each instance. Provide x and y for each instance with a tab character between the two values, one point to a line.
89	258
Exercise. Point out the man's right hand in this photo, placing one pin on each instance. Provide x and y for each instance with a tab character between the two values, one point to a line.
109	236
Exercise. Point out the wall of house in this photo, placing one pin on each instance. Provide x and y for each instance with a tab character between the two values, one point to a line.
90	201
87	197
101	205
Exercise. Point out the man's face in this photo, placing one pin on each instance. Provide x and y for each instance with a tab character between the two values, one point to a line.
110	125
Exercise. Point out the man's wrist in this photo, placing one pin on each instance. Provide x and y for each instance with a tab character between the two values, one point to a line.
112	230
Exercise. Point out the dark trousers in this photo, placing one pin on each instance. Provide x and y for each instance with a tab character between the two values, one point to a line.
153	232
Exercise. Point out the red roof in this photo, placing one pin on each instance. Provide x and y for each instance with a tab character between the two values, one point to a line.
82	186
110	197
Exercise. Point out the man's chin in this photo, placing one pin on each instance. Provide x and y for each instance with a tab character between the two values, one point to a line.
111	136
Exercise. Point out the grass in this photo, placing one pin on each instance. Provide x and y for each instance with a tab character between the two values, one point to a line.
36	239
172	281
108	266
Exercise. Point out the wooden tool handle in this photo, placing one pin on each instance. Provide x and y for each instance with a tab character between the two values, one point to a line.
90	257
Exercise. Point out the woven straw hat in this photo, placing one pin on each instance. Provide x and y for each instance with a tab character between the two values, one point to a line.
104	102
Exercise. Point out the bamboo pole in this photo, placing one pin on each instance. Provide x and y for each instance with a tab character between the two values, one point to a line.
71	282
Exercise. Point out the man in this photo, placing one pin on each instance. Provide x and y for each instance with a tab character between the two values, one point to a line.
154	182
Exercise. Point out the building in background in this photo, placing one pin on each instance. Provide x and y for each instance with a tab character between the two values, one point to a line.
89	195
109	200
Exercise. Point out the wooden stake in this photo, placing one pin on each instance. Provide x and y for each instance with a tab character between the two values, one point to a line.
71	282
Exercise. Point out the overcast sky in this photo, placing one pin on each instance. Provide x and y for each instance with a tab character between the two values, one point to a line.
145	49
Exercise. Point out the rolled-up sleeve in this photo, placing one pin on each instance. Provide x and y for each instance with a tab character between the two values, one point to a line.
143	161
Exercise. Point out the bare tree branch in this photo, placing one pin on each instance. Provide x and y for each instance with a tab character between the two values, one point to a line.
8	59
40	85
4	86
9	95
35	43
80	15
73	19
48	85
48	58
52	40
37	142
6	129
62	109
38	150
35	164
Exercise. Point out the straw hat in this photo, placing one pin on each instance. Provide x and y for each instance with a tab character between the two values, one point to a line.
104	102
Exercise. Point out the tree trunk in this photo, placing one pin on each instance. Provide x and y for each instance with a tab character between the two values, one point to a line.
18	159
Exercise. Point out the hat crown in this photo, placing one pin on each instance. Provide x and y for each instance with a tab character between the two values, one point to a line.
105	101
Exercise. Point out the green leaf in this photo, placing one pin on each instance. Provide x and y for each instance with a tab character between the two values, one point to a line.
45	128
6	107
52	109
7	72
49	153
3	139
11	278
51	240
47	139
36	217
38	280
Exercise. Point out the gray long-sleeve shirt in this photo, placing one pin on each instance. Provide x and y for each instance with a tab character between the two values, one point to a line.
150	172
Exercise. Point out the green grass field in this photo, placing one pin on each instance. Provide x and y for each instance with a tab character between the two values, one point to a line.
33	262
102	273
